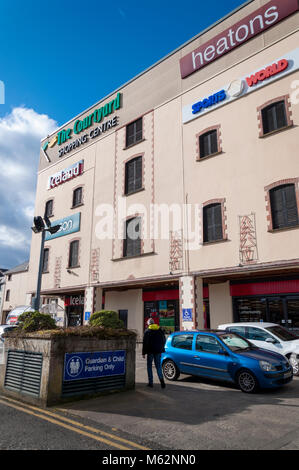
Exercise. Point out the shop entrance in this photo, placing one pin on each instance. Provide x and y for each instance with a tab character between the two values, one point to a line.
165	313
283	310
74	307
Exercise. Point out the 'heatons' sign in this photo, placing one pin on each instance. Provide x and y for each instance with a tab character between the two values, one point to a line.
242	86
255	23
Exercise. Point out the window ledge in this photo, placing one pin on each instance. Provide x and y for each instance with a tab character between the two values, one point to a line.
123	258
73	267
78	205
289	126
133	192
283	229
133	145
216	241
45	272
200	159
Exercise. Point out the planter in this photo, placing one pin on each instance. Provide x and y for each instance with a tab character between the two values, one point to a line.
53	368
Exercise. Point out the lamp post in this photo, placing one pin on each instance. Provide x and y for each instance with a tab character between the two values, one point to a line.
41	225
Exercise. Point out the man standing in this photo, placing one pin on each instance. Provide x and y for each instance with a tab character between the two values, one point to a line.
153	345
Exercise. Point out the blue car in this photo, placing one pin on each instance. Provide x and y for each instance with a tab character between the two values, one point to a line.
225	356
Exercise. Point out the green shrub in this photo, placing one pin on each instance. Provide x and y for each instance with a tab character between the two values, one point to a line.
36	321
106	319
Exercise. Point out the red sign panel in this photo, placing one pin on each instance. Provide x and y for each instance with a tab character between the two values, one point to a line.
267	72
255	23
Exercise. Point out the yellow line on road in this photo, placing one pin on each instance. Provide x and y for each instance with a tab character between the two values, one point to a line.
66	426
76	423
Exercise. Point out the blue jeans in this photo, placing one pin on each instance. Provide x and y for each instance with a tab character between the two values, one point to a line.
157	360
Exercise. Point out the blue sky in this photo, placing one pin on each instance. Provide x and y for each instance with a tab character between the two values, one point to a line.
57	58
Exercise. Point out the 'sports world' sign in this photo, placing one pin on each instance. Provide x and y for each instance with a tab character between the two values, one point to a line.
241	87
252	25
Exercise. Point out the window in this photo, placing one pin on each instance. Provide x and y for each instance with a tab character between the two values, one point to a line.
208	143
134	132
132	241
212	223
240	330
77	197
207	344
49	208
274	117
74	254
182	342
257	334
284	206
133	175
46	260
7	297
9	277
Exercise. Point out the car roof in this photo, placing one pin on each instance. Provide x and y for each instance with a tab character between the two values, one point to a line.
257	324
187	332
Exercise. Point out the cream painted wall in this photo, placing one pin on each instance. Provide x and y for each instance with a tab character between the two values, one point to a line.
18	288
221	308
130	300
173	176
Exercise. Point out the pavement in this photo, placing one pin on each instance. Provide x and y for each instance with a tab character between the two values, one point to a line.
194	414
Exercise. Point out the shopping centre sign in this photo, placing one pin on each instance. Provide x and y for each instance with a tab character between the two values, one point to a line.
250	26
240	87
69	225
80	125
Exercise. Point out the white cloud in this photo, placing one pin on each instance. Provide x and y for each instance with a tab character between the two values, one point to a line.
20	134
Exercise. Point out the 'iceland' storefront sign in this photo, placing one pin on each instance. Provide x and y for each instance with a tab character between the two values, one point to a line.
91	365
69	225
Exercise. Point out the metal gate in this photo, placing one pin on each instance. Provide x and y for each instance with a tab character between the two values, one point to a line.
23	372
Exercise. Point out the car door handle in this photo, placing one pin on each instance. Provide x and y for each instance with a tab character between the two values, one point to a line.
196	357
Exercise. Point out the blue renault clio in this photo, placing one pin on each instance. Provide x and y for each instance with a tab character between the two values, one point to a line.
225	356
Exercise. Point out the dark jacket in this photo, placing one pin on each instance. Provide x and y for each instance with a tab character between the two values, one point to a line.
153	340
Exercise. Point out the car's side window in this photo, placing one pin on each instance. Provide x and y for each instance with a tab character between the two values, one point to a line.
257	334
240	330
208	344
182	341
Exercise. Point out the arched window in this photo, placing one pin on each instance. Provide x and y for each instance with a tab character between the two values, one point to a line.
284	208
132	240
133	175
49	208
208	143
46	260
77	197
74	254
212	222
274	117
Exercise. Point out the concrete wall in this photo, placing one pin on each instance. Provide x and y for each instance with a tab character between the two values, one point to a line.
221	308
18	286
130	300
53	351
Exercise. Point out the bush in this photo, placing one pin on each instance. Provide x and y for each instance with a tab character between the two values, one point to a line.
36	321
106	319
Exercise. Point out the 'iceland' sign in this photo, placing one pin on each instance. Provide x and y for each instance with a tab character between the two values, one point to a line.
69	225
88	365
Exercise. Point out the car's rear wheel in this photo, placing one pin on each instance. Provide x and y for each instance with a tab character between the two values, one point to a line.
295	365
170	370
247	381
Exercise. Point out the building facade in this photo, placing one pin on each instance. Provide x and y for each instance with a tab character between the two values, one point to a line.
15	289
178	194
